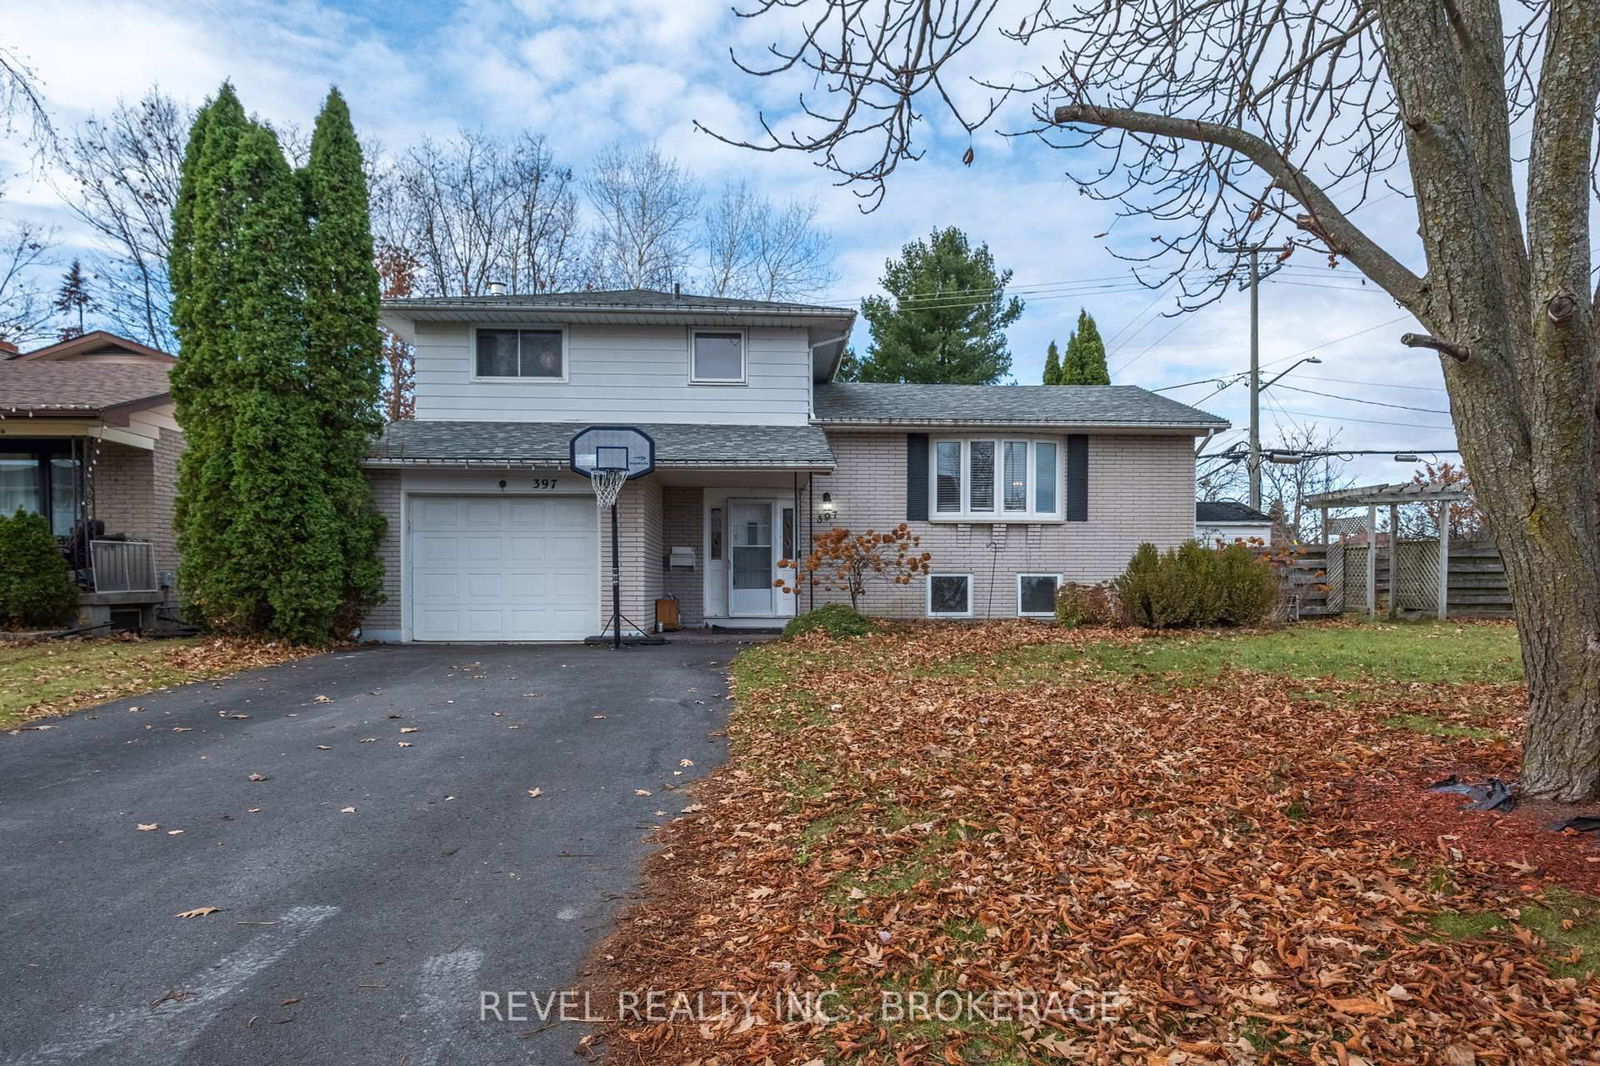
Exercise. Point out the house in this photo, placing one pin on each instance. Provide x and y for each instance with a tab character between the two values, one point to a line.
491	537
1228	521
88	438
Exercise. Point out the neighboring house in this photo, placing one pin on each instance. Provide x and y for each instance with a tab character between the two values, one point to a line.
1228	521
88	438
1012	489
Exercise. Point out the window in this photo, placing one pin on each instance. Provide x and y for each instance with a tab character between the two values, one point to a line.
788	546
950	595
715	554
947	477
521	353
974	479
1036	595
41	481
718	358
1044	476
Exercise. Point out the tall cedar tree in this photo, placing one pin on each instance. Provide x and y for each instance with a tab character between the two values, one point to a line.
344	349
1052	365
261	535
1086	355
946	316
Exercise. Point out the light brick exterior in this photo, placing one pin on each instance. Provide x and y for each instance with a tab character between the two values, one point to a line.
683	526
1140	488
134	490
386	497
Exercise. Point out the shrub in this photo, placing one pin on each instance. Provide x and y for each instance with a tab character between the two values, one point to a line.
1247	584
1195	586
1087	605
36	588
838	620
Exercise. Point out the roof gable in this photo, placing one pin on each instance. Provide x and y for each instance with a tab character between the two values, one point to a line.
98	345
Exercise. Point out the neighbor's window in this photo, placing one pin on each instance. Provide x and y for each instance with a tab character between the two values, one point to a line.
718	357
1036	594
972	479
520	353
950	594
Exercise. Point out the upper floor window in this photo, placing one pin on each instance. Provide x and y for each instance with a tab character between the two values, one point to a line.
996	480
521	353
718	357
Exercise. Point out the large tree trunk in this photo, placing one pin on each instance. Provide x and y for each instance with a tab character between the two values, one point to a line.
1558	623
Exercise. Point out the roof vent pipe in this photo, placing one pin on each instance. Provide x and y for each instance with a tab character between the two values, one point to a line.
677	291
497	288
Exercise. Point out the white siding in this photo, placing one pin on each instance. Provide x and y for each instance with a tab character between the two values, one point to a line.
618	374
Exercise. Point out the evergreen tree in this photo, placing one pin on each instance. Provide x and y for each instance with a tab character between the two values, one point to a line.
1052	365
1085	363
260	531
945	318
73	298
344	349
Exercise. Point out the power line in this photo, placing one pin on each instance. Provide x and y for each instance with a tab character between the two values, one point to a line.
1369	421
1374	403
1372	384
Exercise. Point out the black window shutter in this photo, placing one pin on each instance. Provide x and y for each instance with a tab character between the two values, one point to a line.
916	477
1077	478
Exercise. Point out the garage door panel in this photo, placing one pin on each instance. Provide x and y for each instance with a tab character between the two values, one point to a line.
505	568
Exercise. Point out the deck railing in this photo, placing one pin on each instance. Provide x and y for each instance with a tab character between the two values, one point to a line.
123	566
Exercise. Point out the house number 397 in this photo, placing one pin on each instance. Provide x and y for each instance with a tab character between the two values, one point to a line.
544	482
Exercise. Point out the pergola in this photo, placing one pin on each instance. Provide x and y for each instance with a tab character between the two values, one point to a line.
1393	497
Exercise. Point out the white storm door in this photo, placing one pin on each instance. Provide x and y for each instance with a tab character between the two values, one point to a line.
503	568
751	568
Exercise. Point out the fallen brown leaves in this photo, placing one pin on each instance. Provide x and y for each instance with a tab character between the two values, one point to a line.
896	815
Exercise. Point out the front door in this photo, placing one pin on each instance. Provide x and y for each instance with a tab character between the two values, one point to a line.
750	558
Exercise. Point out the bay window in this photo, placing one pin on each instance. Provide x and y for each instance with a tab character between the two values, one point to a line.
989	479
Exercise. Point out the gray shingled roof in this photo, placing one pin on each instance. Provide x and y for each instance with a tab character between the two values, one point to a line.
44	387
616	300
547	442
1010	405
1227	511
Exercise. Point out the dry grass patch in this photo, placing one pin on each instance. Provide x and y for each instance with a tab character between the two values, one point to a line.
47	678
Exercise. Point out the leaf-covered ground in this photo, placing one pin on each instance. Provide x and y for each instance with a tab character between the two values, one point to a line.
45	678
1020	809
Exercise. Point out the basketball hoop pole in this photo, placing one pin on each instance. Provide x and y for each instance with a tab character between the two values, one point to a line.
616	585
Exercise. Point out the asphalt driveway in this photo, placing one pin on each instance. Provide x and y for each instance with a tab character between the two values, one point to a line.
359	935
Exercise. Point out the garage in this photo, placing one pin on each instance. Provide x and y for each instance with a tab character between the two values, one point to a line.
503	568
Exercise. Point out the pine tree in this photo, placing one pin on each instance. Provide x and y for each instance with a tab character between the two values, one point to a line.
1052	365
73	298
1085	363
344	352
945	318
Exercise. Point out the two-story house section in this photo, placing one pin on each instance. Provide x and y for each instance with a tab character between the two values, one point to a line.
1013	489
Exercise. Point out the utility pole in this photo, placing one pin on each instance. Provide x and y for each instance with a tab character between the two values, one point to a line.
1253	463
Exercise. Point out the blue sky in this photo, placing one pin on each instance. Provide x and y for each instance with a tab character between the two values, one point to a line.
592	73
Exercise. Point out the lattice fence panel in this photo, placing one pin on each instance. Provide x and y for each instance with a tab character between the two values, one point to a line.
1355	578
1416	575
1334	578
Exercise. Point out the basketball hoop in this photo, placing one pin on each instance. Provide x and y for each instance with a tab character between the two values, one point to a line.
610	457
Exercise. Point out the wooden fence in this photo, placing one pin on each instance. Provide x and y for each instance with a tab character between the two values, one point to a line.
1332	579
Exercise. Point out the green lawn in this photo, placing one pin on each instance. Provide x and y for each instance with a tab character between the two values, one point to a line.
54	677
1449	652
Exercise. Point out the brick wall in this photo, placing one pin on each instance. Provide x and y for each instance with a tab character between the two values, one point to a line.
639	543
1140	488
386	497
683	525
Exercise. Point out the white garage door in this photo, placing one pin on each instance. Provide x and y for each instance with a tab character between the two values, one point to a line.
503	568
